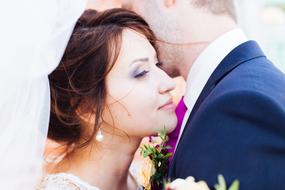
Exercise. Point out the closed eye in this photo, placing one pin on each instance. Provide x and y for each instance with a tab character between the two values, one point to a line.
141	74
159	64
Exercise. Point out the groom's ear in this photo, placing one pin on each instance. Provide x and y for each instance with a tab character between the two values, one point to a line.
169	3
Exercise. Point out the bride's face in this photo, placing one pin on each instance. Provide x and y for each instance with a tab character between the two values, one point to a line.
138	92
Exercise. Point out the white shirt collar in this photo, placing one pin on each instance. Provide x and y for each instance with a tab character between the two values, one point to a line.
208	61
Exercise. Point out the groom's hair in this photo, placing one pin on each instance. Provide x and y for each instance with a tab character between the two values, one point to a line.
218	6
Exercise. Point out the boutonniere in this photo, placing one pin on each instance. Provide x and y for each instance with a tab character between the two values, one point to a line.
157	154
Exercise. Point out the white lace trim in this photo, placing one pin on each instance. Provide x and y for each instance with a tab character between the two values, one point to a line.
64	181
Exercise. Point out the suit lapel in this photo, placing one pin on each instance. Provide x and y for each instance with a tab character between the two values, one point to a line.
243	53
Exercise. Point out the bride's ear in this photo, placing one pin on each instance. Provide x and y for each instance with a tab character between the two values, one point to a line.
169	3
85	116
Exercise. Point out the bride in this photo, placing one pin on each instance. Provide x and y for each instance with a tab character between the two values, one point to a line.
107	94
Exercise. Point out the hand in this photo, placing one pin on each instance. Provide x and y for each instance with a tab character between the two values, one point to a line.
188	183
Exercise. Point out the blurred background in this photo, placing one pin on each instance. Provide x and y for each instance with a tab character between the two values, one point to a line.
264	21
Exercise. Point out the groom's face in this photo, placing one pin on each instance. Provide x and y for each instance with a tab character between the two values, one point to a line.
155	12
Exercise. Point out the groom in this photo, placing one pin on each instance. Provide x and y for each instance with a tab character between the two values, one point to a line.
234	121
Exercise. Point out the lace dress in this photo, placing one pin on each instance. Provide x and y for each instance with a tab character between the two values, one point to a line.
66	181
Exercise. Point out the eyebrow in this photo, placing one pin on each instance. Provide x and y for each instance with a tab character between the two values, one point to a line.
139	60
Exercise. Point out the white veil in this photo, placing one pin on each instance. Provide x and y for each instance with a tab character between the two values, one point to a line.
33	36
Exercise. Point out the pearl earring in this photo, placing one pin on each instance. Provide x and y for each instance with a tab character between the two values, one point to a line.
99	136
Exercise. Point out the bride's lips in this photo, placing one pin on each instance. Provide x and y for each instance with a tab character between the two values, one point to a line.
169	105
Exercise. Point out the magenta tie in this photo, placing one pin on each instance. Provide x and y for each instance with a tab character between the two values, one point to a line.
173	136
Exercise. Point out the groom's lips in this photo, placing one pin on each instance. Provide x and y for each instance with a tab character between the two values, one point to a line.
169	105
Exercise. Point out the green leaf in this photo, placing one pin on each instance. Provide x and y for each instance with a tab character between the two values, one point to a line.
163	135
146	154
168	155
168	147
235	185
221	183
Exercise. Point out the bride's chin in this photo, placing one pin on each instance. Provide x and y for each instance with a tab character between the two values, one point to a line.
171	129
172	122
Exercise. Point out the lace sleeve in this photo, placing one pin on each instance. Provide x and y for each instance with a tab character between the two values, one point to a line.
58	183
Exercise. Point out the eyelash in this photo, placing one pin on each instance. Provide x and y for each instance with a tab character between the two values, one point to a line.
141	74
159	64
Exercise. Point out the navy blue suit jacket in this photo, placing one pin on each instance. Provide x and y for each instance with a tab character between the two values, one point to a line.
237	126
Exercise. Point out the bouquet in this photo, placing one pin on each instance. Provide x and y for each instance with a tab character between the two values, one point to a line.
156	155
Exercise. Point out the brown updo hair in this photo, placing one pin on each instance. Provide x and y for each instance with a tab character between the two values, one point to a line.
78	83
